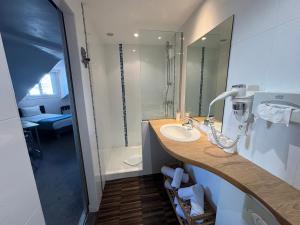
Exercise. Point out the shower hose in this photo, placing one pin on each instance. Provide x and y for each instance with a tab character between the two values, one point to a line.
216	137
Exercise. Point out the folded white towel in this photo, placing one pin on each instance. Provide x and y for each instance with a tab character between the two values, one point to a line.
197	202
275	113
180	212
177	178
198	194
196	210
167	171
194	191
168	184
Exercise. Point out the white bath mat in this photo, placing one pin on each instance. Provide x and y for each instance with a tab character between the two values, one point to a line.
133	160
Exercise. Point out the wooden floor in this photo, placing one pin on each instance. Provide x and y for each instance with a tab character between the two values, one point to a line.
138	200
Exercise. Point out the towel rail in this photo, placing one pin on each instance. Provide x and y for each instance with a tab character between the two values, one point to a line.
284	99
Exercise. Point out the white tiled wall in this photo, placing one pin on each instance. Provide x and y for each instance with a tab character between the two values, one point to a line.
143	92
133	94
108	96
19	200
153	67
265	52
112	64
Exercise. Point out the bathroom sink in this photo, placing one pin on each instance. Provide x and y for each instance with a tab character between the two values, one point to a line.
177	132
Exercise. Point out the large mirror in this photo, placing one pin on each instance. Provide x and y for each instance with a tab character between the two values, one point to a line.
207	68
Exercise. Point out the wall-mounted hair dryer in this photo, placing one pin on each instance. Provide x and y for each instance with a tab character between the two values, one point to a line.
241	106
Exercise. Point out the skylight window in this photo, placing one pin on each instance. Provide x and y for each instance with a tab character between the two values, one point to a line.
35	91
44	87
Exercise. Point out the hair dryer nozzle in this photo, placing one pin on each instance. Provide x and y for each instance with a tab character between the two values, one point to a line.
224	95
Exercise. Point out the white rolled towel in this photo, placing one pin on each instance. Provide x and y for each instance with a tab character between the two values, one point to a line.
180	212
176	182
186	193
176	201
168	184
167	171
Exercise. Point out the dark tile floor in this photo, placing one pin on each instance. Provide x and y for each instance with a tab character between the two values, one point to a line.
138	200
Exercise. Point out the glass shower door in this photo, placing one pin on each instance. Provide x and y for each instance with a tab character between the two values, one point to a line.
160	72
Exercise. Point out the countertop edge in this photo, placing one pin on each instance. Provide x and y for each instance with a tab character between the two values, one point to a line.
281	219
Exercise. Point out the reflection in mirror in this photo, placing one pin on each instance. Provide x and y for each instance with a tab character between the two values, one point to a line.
207	68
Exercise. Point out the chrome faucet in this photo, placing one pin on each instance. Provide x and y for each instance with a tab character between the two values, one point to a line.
189	124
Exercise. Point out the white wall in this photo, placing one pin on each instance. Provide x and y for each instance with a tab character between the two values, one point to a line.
264	52
19	200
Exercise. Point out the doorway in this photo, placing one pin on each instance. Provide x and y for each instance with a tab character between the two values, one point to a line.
35	46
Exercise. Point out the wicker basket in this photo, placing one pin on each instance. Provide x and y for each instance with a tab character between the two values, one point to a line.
207	218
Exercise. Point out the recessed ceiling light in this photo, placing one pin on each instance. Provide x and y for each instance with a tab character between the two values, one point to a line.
110	34
133	50
136	35
203	39
159	37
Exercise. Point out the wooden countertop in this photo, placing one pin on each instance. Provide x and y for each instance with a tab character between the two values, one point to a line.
278	196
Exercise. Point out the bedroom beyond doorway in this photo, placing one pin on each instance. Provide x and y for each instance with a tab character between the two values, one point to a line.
38	64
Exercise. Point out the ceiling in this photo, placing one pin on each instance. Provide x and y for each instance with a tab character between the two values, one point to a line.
126	17
37	21
31	21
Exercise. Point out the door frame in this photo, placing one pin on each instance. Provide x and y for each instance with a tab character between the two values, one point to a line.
76	135
71	11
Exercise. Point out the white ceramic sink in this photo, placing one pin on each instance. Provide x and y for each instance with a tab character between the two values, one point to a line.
177	132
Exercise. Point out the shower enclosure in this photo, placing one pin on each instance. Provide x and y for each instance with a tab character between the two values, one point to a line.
159	72
143	84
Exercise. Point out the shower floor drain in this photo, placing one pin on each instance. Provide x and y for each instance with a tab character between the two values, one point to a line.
133	160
